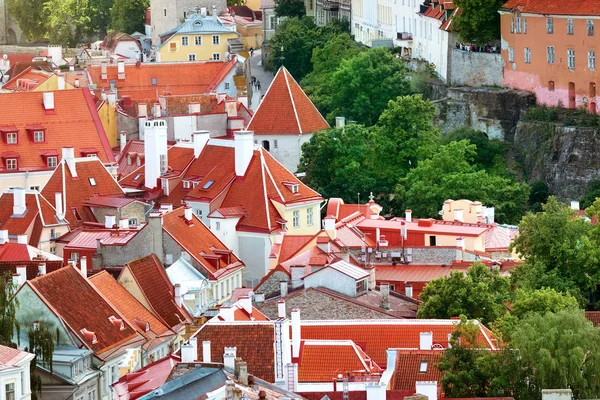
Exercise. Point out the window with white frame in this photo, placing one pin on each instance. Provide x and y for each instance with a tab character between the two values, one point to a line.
512	25
527	55
216	39
216	56
296	219
524	24
198	40
191	57
275	144
38	136
591	60
518	23
550	54
199	213
52	162
11	163
511	54
549	25
571	58
11	138
590	27
226	85
570	26
185	40
310	217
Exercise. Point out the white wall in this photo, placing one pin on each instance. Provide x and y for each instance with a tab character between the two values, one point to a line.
254	251
14	375
332	279
289	148
128	49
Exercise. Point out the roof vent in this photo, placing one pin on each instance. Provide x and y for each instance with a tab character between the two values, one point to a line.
89	336
48	98
117	322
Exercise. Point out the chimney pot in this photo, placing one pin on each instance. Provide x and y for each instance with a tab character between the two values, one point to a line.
83	265
244	150
296	333
281	309
408	217
48	98
206	356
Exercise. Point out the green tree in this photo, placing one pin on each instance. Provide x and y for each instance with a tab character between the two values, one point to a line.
290	8
68	21
8	311
538	196
363	85
559	351
128	15
542	301
479	294
558	251
450	174
41	343
100	15
478	21
31	17
490	154
591	194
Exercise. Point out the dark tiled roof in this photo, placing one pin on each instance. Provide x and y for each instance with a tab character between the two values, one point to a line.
408	363
32	267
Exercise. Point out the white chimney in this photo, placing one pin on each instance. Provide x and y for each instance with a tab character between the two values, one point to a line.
59	206
231	108
48	98
187	213
110	221
142	110
246	303
194	342
200	140
214	13
16	280
283	288
188	353
61	82
178	295
194	108
384	296
459	215
574	205
244	150
155	150
22	239
41	269
121	69
340	122
460	243
111	98
408	290
229	355
22	272
76	82
377	235
156	110
203	11
68	155
226	312
329	226
281	309
124	223
408	217
206	351
426	340
83	266
122	140
3	236
19	204
296	333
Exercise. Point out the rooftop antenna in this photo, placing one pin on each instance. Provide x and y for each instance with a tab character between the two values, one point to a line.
281	57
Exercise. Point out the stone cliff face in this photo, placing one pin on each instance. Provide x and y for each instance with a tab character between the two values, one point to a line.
565	158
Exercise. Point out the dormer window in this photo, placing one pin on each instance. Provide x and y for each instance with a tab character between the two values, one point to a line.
36	133
11	164
194	184
186	184
52	162
38	136
423	366
293	186
11	138
117	322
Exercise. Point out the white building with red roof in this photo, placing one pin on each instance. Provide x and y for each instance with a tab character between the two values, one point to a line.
285	119
14	373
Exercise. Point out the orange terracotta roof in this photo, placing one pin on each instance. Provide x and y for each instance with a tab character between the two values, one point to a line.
158	291
593	316
322	361
31	265
143	381
129	157
10	357
555	7
174	78
38	208
410	363
286	109
136	314
200	243
81	307
74	123
291	244
92	179
27	80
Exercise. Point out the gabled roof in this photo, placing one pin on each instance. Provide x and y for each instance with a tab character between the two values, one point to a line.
30	265
345	268
128	158
154	285
74	123
136	384
201	244
111	41
92	179
80	306
286	109
554	7
27	80
196	25
136	314
10	357
16	252
175	78
499	237
410	365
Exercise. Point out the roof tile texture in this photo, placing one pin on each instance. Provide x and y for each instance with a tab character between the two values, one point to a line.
557	7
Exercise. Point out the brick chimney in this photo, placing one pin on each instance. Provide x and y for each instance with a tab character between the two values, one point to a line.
19	203
200	139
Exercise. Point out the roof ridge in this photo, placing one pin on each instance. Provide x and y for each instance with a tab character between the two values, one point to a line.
285	75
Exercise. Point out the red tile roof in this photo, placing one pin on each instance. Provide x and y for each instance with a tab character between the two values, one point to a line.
408	367
555	7
87	239
38	208
128	158
27	80
499	237
14	252
291	244
81	307
20	57
136	314
158	291
593	316
75	123
31	265
80	189
286	109
174	78
10	357
200	243
429	226
136	384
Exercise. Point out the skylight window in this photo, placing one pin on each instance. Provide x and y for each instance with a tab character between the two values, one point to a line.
92	181
137	177
208	185
423	366
154	81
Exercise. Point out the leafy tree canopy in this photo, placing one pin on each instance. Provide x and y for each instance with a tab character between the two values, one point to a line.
290	8
541	301
591	194
478	21
479	294
31	17
8	311
69	21
490	154
128	15
538	196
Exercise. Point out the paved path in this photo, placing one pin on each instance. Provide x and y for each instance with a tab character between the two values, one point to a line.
265	77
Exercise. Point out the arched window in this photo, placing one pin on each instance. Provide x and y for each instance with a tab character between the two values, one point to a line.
266	145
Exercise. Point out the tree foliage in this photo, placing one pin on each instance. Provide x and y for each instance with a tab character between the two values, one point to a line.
479	294
478	21
8	311
128	15
68	21
539	195
591	194
290	8
100	16
541	301
450	174
490	154
41	343
31	17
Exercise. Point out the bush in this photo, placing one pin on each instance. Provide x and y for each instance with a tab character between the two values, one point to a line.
541	114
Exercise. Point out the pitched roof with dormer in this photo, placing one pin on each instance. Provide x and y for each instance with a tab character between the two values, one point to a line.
73	122
286	109
554	7
27	80
196	25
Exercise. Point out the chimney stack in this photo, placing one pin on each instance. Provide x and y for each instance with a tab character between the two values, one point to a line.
200	141
384	296
48	98
460	243
60	82
68	155
408	217
340	122
156	110
296	333
104	70
3	236
83	265
329	226
41	269
231	108
19	203
229	355
283	287
281	309
189	351
425	340
178	295
155	151
227	313
124	223
76	83
122	140
58	201
142	110
574	205
259	298
408	290
110	221
22	272
206	351
244	150
246	303
187	213
121	69
22	239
